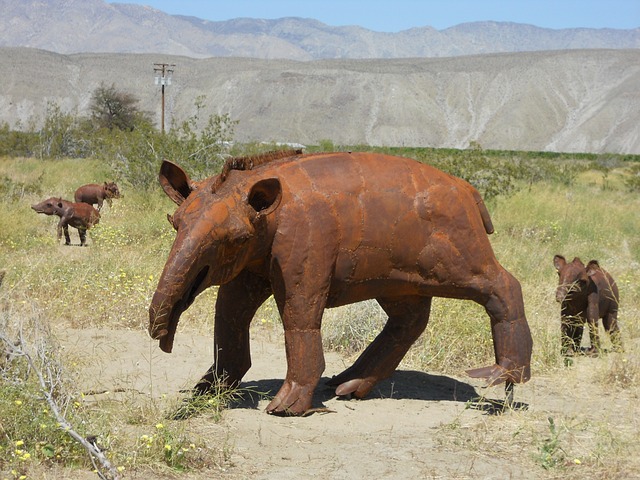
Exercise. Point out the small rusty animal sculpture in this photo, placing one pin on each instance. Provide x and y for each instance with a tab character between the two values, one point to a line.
324	230
79	215
94	193
585	295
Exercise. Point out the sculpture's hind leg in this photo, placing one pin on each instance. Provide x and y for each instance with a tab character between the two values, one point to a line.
408	317
512	341
82	233
610	322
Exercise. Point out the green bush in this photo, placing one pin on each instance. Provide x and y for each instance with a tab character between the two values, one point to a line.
632	181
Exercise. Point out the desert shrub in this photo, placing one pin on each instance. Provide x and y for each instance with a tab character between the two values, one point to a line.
13	190
491	178
136	155
16	142
351	328
632	181
63	135
326	145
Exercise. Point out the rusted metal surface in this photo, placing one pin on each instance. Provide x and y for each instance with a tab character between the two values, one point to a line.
78	215
95	193
586	294
324	230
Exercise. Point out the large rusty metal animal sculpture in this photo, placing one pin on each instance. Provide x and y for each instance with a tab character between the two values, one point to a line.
324	230
586	293
78	215
95	193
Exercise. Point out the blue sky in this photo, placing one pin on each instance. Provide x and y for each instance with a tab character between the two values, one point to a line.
396	15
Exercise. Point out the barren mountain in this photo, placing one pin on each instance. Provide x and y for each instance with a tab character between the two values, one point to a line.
76	26
575	100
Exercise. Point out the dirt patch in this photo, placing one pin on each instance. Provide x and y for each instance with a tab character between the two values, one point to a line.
413	425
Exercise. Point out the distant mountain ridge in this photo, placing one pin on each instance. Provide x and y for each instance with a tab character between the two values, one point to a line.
567	101
77	26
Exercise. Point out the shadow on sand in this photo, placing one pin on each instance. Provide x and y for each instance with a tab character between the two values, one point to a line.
402	385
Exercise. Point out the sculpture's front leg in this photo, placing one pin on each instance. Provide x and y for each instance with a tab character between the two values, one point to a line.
512	341
305	364
236	305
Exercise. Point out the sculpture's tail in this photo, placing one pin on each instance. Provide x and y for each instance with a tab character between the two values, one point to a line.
484	213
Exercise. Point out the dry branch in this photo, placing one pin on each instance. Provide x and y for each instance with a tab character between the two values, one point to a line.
48	378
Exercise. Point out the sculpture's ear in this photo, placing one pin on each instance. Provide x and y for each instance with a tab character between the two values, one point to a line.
174	181
559	262
265	196
592	267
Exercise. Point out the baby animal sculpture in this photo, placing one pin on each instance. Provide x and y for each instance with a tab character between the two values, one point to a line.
585	295
94	193
324	230
79	215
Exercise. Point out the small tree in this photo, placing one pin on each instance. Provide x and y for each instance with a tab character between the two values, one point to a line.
111	108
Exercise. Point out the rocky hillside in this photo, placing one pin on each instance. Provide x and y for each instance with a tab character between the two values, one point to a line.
75	26
574	100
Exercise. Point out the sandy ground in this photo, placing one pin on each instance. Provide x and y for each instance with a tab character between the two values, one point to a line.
414	425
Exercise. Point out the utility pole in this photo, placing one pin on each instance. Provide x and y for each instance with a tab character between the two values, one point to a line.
163	72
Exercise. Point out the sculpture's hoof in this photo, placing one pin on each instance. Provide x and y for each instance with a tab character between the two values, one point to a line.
494	374
358	387
292	400
347	388
505	371
282	410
